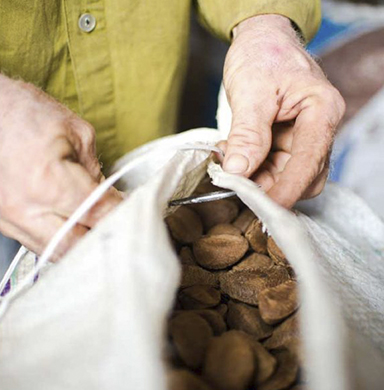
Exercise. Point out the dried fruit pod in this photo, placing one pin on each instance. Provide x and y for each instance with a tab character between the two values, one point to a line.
185	225
171	356
247	318
219	251
275	252
214	319
229	362
286	373
185	380
190	334
299	387
214	213
294	345
266	362
199	297
284	333
245	286
205	187
186	256
244	219
224	228
256	238
254	262
222	309
277	303
193	274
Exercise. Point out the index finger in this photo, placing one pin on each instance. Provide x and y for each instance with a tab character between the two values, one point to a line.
312	141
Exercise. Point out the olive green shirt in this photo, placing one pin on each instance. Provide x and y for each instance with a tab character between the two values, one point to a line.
124	75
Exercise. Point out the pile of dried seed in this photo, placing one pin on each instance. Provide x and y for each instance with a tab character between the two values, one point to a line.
235	325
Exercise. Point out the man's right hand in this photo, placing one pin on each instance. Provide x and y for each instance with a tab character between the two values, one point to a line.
48	166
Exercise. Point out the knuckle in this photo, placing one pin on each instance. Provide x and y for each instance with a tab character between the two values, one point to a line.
326	93
340	103
316	190
95	169
84	131
245	134
334	100
313	161
87	134
319	188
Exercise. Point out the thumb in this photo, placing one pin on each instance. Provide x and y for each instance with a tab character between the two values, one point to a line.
250	138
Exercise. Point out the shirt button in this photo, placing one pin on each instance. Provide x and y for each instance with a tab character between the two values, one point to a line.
87	23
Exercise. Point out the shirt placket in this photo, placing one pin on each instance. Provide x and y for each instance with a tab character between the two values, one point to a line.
90	55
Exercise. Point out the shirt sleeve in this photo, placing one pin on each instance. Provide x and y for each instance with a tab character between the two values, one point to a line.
221	16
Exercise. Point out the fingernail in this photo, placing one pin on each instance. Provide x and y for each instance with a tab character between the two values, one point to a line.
236	163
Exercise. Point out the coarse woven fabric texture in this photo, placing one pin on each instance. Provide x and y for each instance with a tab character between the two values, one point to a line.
97	318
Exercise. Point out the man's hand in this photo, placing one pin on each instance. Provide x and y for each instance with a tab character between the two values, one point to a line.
47	167
285	111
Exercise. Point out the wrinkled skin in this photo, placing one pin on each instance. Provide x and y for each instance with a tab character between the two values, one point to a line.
48	167
285	112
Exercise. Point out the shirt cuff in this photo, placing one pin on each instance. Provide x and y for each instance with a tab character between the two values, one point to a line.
221	16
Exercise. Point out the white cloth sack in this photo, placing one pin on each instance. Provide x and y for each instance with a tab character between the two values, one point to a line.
96	320
359	150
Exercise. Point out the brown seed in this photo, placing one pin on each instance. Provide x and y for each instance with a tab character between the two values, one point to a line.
190	334
199	297
266	363
214	213
256	238
171	356
185	380
229	362
193	274
277	303
284	333
292	273
286	373
186	256
244	219
224	228
245	286
219	251
254	262
222	309
275	252
214	319
205	187
185	225
247	318
294	345
299	387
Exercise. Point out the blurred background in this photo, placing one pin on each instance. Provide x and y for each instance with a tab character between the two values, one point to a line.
350	48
